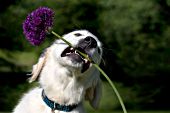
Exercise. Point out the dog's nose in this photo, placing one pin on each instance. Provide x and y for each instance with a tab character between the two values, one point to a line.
91	42
88	42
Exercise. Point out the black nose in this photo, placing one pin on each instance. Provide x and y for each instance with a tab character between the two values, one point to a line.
88	42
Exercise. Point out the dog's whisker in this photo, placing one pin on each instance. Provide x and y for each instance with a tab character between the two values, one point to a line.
103	61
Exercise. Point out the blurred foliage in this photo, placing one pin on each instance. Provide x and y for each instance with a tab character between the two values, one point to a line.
141	33
135	36
10	95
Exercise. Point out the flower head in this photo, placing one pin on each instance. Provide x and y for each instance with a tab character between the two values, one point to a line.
37	24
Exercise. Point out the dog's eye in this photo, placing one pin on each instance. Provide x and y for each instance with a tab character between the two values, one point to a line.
78	34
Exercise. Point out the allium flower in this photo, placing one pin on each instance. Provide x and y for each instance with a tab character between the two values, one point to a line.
37	24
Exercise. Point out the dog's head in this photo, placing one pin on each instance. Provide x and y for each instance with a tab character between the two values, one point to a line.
63	55
82	41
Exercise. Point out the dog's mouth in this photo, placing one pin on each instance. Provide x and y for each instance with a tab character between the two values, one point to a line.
74	55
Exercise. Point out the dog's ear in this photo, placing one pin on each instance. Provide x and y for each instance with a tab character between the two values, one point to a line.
93	94
37	68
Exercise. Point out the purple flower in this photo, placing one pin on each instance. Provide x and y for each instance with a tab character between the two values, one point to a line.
37	24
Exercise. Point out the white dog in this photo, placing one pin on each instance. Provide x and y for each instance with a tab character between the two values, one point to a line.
66	78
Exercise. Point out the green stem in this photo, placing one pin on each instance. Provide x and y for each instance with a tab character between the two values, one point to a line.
113	86
62	38
101	71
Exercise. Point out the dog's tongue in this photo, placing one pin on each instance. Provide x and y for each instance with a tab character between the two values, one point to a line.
72	53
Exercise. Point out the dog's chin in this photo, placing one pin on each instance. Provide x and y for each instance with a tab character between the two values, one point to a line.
76	59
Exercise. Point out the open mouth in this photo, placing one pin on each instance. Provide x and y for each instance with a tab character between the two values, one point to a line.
72	53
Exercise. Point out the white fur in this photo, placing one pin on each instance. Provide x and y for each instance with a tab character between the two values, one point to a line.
62	80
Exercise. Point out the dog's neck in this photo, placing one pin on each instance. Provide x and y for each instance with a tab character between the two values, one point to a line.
65	85
62	85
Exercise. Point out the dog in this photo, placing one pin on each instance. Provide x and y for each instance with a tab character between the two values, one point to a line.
66	78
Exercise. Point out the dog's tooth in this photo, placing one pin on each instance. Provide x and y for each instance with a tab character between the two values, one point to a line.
85	60
71	48
67	53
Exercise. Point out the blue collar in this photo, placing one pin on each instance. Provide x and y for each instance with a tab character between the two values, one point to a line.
55	106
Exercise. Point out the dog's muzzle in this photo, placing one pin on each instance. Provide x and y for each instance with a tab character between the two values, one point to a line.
84	46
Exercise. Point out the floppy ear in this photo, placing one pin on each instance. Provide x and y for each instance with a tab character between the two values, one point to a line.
37	68
93	94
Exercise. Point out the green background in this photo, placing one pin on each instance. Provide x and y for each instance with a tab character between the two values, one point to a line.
136	44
